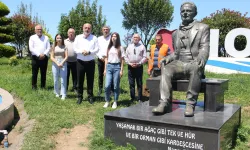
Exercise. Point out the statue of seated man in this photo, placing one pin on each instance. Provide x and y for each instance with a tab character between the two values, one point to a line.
191	45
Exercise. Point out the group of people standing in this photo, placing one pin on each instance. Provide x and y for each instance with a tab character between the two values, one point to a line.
77	55
190	42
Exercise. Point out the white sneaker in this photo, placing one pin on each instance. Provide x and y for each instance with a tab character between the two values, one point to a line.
106	105
63	97
114	105
57	95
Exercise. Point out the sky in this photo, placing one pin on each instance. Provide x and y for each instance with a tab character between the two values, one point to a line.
51	10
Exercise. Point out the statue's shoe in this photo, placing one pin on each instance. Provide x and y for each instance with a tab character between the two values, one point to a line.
189	111
160	109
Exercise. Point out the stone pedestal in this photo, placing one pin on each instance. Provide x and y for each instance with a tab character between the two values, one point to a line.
6	109
172	131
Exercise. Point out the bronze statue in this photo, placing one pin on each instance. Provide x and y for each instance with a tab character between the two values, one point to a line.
191	45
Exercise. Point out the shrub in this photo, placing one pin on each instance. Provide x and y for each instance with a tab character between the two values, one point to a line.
5	32
13	61
4	10
226	20
7	51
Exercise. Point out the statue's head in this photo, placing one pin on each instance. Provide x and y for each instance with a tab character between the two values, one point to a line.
188	12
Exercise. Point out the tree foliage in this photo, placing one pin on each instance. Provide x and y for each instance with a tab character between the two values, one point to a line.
127	38
5	32
84	12
225	20
23	27
146	17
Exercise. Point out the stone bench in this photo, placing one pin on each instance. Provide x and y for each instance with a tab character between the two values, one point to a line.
213	90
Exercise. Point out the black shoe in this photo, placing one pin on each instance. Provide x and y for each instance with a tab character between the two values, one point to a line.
91	100
79	101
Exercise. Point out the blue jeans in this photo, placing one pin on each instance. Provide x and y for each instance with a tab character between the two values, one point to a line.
60	73
112	75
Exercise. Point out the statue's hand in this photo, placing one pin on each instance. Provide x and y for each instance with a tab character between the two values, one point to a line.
164	61
200	62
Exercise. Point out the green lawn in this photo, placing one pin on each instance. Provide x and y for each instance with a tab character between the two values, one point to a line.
52	114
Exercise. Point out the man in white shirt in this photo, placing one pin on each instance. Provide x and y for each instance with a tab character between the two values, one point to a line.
103	42
86	47
39	46
71	61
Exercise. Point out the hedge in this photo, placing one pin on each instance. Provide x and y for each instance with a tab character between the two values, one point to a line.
7	51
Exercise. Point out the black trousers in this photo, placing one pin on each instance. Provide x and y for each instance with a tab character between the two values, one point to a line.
101	66
88	68
36	65
135	74
71	67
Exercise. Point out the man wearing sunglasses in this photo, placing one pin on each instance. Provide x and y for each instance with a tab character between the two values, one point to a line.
135	57
157	52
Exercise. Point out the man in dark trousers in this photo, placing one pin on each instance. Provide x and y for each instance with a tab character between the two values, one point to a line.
39	46
135	57
86	47
191	51
71	61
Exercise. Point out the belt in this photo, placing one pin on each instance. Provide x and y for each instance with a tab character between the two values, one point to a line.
114	63
86	61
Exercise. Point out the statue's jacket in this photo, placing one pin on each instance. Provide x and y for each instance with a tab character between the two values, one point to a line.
199	39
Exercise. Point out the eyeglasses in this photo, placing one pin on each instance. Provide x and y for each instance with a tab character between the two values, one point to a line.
134	51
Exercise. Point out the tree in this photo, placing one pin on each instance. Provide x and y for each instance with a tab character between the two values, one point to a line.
83	13
226	20
127	38
23	26
146	17
5	32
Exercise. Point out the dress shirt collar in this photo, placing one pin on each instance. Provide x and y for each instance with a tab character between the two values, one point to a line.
39	37
107	38
137	45
86	37
69	40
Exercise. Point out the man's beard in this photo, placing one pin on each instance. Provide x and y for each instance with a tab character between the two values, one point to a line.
105	34
86	33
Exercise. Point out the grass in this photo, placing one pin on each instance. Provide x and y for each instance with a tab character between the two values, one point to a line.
52	114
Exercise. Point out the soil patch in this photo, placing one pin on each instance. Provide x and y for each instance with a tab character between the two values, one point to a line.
74	139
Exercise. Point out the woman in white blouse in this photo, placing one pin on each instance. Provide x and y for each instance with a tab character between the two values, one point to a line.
59	55
113	68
